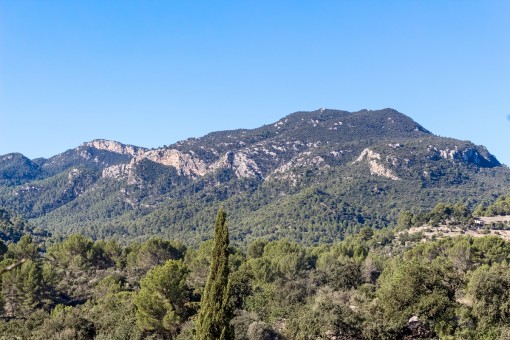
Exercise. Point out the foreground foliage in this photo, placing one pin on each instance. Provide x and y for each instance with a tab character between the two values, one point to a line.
377	284
215	313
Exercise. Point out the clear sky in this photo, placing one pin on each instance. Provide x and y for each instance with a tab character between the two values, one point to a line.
151	73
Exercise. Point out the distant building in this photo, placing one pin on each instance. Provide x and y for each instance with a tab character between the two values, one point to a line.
479	221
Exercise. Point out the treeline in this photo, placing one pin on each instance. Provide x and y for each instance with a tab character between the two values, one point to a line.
373	285
499	208
443	213
458	215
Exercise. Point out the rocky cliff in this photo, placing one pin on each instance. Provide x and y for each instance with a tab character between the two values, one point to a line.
361	168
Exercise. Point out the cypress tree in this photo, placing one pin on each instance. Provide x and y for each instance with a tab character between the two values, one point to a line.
215	313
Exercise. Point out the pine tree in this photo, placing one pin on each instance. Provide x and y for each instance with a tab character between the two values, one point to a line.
12	292
162	297
215	313
33	286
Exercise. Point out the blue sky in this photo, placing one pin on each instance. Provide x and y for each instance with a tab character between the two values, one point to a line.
151	73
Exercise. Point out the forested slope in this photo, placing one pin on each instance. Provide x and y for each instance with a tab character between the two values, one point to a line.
311	177
386	284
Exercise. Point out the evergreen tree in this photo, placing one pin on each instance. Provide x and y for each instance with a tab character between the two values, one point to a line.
12	292
162	297
33	286
215	313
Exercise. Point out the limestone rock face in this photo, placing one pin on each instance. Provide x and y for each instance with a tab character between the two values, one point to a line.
240	162
117	171
474	155
186	164
112	146
376	168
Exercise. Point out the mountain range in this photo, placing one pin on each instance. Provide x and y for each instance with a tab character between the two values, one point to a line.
311	177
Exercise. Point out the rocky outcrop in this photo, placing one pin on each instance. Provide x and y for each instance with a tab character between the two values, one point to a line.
240	163
117	171
186	164
469	155
112	146
303	160
376	168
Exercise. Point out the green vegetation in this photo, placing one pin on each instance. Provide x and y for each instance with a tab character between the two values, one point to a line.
215	312
304	179
375	284
15	169
499	208
328	216
442	213
161	301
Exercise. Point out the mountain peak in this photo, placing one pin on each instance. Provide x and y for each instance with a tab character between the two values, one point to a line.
362	124
376	158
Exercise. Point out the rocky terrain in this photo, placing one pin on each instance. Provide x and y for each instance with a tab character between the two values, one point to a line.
361	167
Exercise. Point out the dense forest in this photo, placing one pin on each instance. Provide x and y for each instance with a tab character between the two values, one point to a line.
375	284
311	177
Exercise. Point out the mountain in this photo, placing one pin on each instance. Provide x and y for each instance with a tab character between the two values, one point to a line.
17	169
311	176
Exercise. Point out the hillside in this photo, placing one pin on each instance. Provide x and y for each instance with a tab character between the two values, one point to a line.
452	283
311	176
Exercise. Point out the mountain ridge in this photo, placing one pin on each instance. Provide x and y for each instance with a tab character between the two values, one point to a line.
334	155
